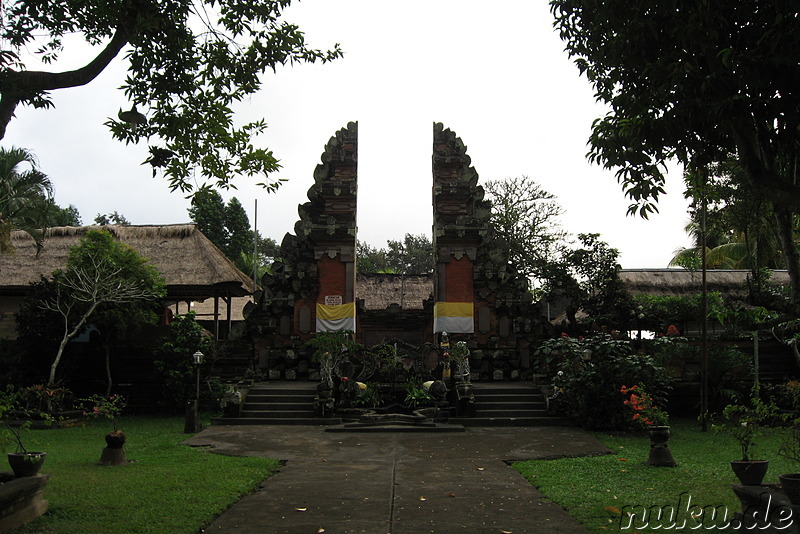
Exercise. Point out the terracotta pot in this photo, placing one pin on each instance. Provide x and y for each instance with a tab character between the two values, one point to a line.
750	473
26	464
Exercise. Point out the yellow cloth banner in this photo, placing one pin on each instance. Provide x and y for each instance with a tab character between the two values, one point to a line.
453	309
342	311
454	317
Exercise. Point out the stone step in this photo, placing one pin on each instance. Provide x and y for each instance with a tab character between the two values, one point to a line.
317	421
270	407
286	414
512	405
512	413
510	421
280	399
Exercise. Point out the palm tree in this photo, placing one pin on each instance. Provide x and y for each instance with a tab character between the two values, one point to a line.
24	196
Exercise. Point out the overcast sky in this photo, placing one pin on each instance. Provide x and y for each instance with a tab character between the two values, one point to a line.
498	77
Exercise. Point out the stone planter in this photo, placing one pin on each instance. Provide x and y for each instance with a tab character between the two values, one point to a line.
26	464
790	482
750	473
115	439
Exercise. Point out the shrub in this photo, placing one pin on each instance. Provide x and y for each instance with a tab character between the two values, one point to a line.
593	371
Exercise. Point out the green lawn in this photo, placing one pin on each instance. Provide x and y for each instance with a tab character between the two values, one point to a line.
596	490
167	487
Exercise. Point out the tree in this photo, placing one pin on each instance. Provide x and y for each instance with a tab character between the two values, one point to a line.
525	216
412	255
111	218
588	278
24	193
227	226
58	216
189	63
208	212
695	82
240	236
740	229
371	259
101	273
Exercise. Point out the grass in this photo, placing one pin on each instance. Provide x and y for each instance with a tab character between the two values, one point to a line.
167	487
596	490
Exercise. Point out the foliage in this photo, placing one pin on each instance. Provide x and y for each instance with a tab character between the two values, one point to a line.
645	412
416	395
41	398
412	255
101	275
587	276
740	229
593	370
371	259
189	63
747	421
228	227
17	417
108	406
173	363
370	396
329	348
657	312
58	216
695	83
24	195
111	218
525	216
171	487
39	332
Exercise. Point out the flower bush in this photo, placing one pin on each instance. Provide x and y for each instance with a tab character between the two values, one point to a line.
645	411
593	371
101	406
746	421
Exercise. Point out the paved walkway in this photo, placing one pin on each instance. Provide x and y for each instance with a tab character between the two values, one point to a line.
396	482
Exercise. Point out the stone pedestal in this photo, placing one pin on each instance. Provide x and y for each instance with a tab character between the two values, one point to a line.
766	509
21	500
113	456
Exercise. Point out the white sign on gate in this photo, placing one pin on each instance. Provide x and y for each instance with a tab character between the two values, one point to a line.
333	300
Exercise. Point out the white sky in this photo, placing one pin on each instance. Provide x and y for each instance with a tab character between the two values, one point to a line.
498	77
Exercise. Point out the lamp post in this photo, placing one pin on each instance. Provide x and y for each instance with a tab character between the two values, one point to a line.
192	424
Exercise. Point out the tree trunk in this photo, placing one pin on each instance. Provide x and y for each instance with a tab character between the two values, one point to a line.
68	335
785	220
107	350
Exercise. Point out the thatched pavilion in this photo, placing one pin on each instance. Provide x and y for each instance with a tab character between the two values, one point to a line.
193	268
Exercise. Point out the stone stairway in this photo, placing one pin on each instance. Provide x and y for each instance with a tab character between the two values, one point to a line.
278	403
292	403
509	404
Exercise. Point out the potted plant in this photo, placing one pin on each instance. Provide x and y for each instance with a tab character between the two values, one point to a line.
109	407
745	422
790	449
646	414
23	462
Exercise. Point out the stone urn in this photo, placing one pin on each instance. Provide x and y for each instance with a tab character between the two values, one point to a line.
660	455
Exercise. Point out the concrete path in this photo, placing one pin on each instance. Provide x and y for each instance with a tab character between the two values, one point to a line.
396	482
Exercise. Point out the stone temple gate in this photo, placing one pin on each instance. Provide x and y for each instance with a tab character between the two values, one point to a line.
474	294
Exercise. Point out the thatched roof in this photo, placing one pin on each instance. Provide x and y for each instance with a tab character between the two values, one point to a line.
379	291
663	282
190	264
